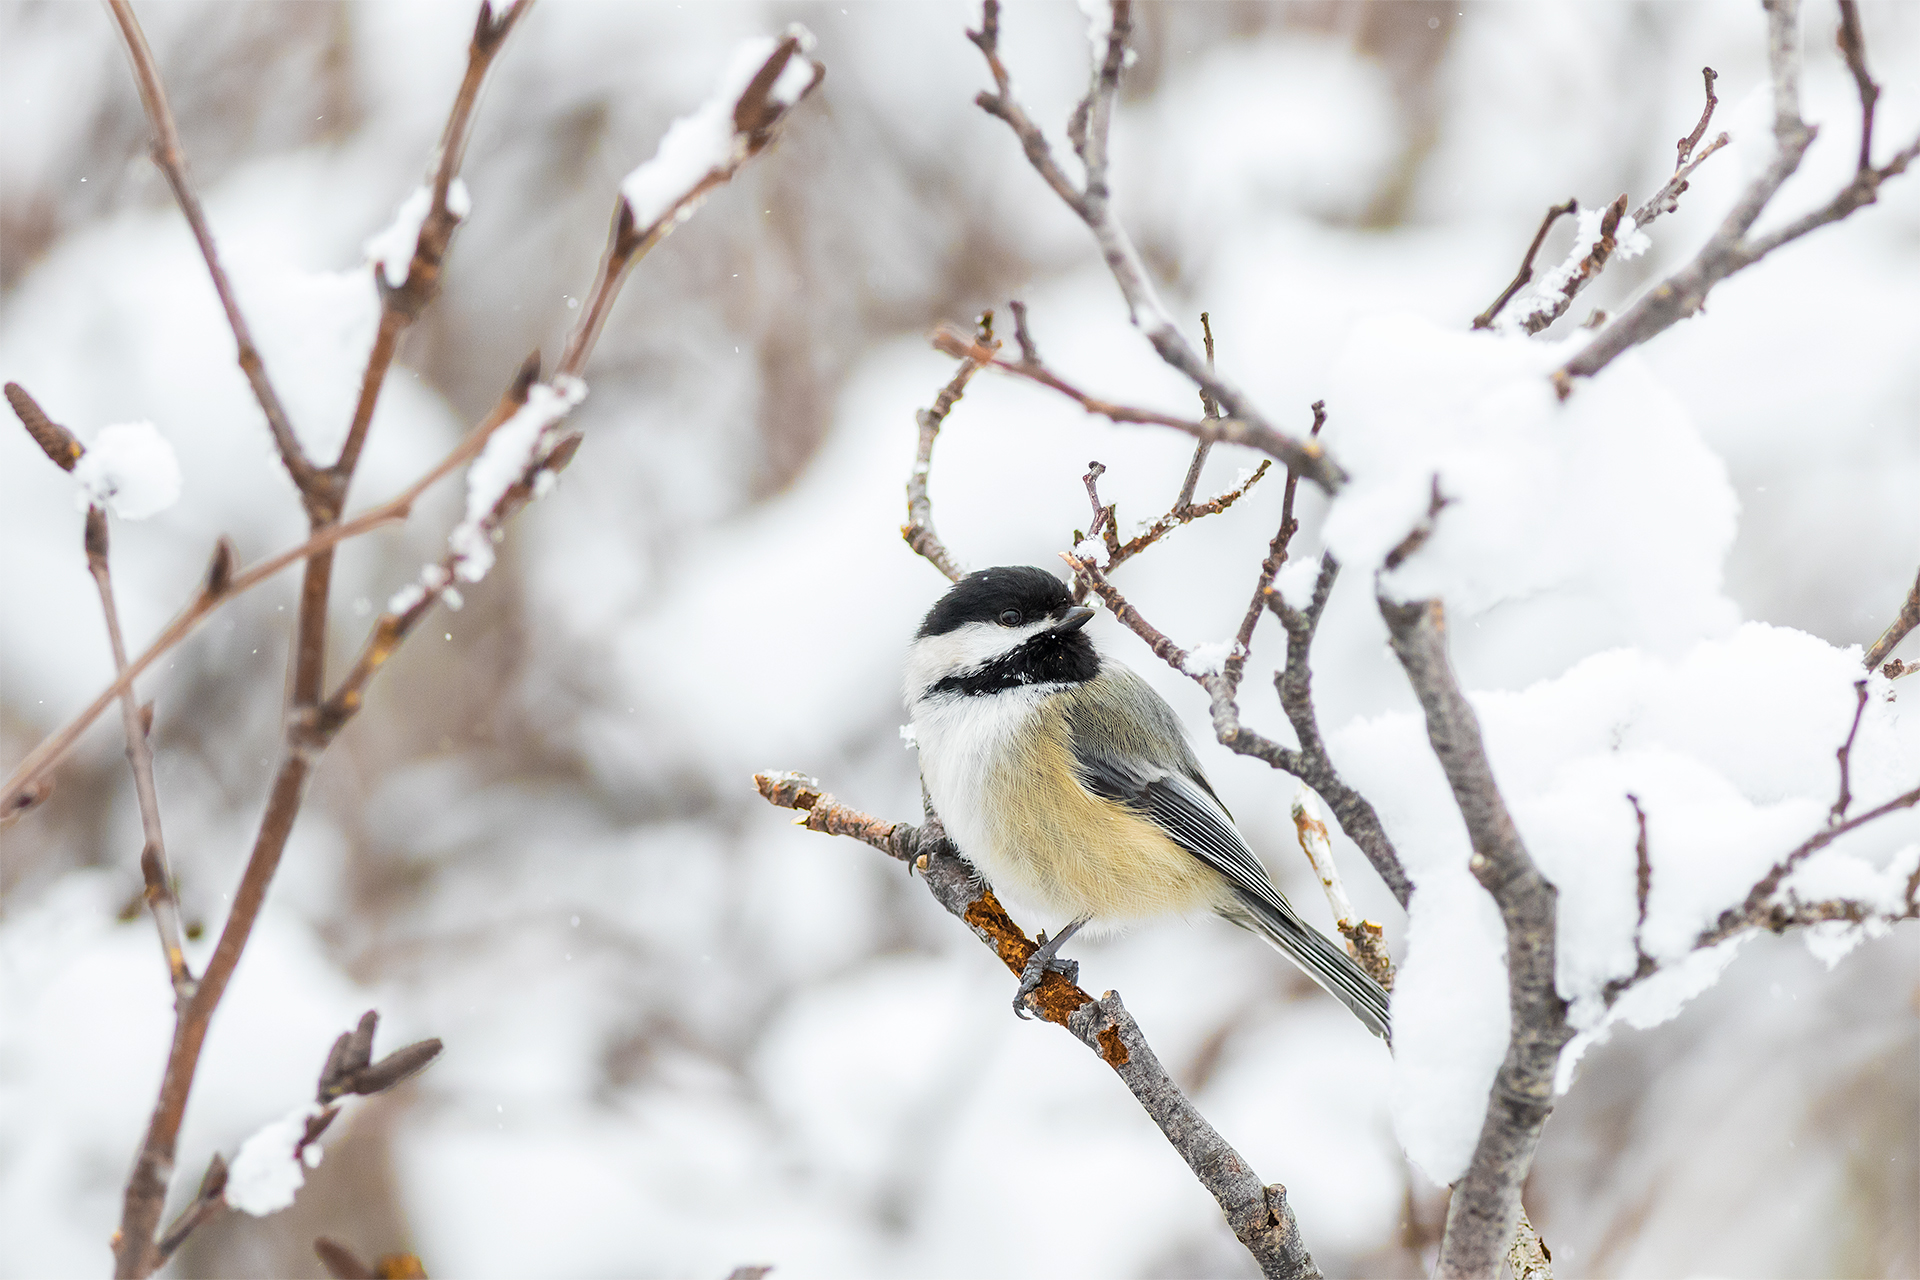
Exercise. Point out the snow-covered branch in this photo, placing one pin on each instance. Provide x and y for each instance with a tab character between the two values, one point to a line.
1259	1214
1486	1202
270	1167
762	83
1731	248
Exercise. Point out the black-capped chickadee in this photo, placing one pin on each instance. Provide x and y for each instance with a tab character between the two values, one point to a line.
1068	782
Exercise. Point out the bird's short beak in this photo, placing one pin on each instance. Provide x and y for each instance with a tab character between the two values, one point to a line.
1073	619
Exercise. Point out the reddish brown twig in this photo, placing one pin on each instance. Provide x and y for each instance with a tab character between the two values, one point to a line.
172	161
1525	275
1105	519
1686	145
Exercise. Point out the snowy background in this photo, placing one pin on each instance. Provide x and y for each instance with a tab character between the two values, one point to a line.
682	1035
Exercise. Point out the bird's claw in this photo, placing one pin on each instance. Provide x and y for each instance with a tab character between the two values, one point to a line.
1044	960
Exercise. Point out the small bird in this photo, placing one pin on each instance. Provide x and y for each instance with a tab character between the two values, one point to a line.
1069	784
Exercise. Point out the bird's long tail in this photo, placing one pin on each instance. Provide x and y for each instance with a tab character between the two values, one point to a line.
1320	957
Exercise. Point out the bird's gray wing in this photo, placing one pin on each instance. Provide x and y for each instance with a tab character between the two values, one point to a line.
1155	774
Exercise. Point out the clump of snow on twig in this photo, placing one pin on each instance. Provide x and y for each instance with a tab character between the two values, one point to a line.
1295	582
515	446
266	1172
433	579
1207	659
1629	241
704	142
130	468
392	247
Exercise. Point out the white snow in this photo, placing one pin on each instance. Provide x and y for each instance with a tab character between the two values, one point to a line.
264	1174
1629	241
1207	658
515	445
704	142
392	247
1729	749
1295	581
129	468
1099	26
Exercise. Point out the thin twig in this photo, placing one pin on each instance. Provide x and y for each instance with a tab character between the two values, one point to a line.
1254	435
1105	519
918	530
400	306
1667	198
1365	939
1686	145
1259	1215
1853	47
154	866
172	161
1643	964
1844	754
1209	408
1525	275
1092	207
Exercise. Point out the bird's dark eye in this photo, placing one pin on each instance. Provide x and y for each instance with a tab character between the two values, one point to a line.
1010	618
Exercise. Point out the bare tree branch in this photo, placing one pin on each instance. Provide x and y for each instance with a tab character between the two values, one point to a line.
1683	149
137	723
918	530
1486	1201
1259	1215
1091	205
1730	249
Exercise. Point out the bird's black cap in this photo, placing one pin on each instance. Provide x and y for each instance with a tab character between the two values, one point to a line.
984	595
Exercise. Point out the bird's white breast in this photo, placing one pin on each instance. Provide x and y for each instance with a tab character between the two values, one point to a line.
968	747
